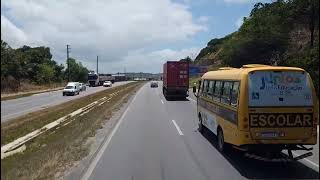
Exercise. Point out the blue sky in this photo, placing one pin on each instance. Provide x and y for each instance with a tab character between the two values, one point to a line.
139	35
222	17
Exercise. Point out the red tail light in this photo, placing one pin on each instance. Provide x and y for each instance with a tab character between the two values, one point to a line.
245	123
315	121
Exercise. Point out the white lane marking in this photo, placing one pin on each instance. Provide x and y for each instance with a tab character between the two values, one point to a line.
85	112
95	161
18	150
101	103
38	94
162	101
177	127
192	99
307	161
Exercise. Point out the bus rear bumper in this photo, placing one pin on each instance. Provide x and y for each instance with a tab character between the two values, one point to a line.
272	147
281	157
273	152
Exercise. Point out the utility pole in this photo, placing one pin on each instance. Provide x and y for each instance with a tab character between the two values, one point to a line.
97	64
68	48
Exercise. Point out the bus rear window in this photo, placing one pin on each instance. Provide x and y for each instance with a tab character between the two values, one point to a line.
282	88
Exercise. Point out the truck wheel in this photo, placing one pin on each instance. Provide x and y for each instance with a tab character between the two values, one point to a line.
221	144
201	128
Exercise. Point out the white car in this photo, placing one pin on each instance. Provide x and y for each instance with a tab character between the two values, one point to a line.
72	88
82	87
107	84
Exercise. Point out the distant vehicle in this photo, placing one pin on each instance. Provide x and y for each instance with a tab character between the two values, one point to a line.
107	84
140	79
82	87
95	79
259	109
119	77
175	79
72	88
153	84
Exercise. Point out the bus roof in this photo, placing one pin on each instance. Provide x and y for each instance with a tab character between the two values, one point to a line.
228	73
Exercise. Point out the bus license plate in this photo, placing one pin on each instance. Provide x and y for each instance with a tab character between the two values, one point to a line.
269	134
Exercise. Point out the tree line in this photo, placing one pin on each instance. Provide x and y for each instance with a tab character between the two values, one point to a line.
36	66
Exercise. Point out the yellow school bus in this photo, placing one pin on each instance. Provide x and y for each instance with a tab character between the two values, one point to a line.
259	108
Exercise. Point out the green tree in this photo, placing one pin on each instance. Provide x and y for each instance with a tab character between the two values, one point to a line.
45	74
77	71
306	12
274	33
187	59
10	64
35	65
262	38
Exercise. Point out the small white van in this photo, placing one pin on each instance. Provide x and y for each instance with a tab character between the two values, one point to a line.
72	88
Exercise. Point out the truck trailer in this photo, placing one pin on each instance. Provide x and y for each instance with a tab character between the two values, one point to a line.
95	79
175	79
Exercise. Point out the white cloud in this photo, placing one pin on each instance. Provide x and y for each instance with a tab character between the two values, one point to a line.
237	1
11	32
203	19
152	61
239	22
109	29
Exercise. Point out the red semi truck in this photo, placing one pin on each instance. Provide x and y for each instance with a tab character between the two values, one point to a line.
175	79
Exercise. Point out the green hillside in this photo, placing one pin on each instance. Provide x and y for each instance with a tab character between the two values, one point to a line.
284	33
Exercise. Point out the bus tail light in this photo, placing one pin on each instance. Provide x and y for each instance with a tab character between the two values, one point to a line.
315	127
315	121
245	123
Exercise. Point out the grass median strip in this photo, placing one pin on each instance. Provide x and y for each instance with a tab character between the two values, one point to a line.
23	125
5	150
55	150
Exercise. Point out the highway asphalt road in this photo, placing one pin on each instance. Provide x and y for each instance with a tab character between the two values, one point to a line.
158	139
17	107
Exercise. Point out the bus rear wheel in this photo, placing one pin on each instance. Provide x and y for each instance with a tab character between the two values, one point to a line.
221	144
201	128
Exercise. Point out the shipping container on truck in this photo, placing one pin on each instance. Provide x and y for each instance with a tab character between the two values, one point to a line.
175	79
95	79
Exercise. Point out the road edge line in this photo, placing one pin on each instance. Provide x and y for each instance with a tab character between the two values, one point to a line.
313	164
96	159
191	99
